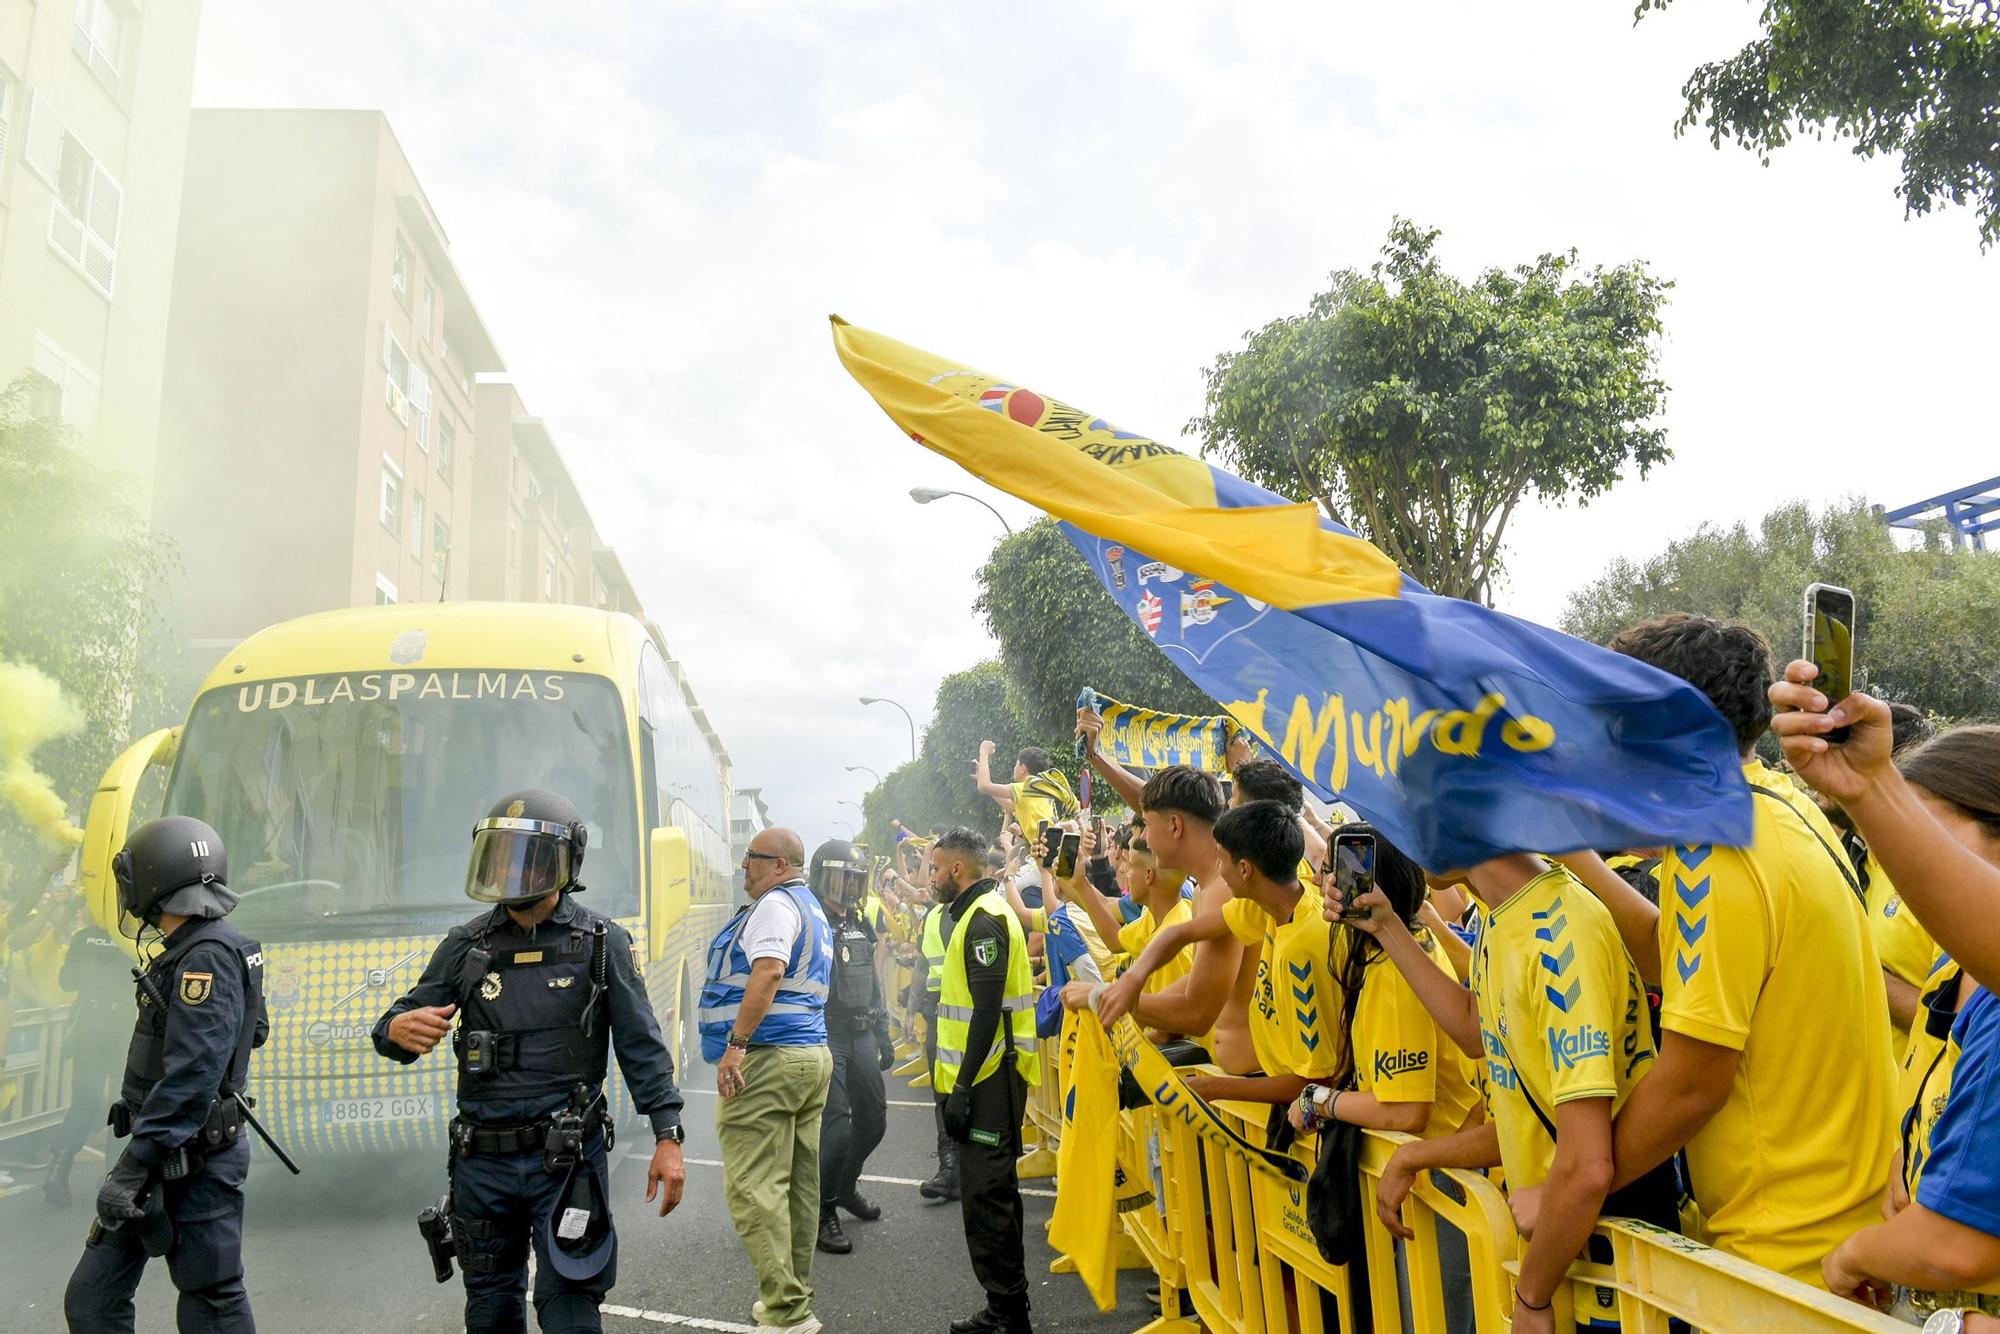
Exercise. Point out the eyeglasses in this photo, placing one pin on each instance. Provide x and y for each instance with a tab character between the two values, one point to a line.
763	857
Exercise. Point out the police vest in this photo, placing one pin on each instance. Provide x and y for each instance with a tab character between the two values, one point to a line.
851	995
936	933
538	1003
145	1060
797	1017
954	1015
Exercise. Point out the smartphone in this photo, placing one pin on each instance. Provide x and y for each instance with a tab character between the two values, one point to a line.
1353	871
1048	841
1066	855
1829	643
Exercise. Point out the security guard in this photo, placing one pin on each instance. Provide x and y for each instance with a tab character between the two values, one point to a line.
986	1060
541	987
931	941
857	1032
177	1190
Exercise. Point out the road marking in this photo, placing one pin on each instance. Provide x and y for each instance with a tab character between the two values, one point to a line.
880	1181
678	1321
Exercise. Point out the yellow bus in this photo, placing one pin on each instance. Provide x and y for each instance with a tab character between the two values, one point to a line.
344	758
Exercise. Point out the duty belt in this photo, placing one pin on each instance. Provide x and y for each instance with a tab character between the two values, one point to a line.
468	1137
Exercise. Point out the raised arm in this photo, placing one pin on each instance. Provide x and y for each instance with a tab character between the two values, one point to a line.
982	776
1126	784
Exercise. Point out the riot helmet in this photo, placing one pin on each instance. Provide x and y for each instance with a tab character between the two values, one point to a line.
164	857
529	846
839	874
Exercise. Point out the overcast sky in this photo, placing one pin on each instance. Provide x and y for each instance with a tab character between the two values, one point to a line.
655	206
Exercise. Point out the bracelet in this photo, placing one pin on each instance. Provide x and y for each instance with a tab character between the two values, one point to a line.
1333	1105
1530	1306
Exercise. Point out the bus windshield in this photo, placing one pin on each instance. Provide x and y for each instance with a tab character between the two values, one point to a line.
346	802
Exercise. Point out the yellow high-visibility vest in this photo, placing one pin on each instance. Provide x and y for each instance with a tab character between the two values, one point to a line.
933	946
954	1015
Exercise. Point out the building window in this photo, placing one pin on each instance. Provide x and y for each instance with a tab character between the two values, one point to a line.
385	591
392	491
83	219
427	313
447	444
6	113
98	38
399	271
66	388
420	405
549	578
513	541
440	547
397	363
417	524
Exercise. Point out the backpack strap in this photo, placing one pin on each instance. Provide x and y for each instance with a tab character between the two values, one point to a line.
1840	862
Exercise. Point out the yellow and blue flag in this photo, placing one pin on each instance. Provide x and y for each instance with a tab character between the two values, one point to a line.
1460	732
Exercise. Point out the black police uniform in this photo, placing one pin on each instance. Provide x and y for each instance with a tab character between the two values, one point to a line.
532	1038
201	1011
989	1190
857	1031
99	974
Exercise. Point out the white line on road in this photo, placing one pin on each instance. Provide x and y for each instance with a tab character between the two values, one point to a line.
678	1321
880	1181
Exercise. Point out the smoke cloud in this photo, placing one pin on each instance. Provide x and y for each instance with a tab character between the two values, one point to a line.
33	711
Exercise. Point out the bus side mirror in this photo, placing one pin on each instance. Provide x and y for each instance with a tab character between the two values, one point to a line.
110	820
671	880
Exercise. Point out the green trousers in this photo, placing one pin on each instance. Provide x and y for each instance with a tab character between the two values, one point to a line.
770	1170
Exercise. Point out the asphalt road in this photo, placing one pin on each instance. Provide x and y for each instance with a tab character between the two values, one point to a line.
337	1249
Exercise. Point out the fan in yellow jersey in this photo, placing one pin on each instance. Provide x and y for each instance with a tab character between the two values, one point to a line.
1293	1014
1559	1015
1775	1068
1158	894
1039	793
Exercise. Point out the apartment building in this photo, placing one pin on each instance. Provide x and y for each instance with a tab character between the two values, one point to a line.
93	129
318	436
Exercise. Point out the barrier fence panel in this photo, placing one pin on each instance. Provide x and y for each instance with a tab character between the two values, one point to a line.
35	1068
1232	1246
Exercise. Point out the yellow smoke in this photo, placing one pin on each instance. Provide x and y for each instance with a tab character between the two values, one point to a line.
33	711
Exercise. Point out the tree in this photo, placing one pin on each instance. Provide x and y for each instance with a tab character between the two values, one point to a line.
81	581
1925	618
1426	408
1914	77
1060	631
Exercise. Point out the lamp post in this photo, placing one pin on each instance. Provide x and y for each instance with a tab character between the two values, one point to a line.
864	769
843	801
924	495
875	699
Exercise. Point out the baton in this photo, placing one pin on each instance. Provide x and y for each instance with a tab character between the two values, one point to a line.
244	1106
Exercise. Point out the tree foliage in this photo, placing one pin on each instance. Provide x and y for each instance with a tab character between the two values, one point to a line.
1060	631
81	580
1918	78
1925	618
1426	408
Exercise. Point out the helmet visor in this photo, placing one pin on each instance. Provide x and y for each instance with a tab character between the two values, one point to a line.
517	861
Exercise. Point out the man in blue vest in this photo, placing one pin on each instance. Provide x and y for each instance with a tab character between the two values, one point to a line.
763	1024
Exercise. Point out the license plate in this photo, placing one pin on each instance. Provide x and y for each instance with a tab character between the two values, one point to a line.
351	1111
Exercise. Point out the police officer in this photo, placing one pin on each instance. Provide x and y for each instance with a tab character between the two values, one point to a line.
177	1189
541	988
986	1060
857	1032
931	941
99	975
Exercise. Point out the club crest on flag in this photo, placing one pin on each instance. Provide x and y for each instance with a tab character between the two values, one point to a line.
1150	610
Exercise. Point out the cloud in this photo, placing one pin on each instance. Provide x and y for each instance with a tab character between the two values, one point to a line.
656	205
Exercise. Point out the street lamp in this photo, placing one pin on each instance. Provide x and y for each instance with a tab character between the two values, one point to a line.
873	699
924	495
864	769
843	801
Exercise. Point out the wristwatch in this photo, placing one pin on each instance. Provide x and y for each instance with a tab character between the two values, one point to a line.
741	1044
1945	1322
675	1132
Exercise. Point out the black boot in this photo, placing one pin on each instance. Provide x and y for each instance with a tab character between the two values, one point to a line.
831	1239
1003	1315
860	1206
944	1185
56	1189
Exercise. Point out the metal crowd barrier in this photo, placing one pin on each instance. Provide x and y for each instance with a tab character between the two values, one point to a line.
35	1067
1229	1243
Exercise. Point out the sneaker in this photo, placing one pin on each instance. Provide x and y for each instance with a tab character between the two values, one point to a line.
757	1309
810	1325
860	1206
831	1239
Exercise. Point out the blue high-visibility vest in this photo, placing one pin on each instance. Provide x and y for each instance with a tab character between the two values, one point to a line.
797	1017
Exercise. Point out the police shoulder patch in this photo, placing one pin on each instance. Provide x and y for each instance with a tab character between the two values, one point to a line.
196	987
984	952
